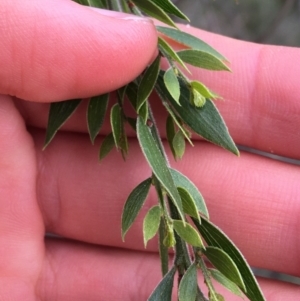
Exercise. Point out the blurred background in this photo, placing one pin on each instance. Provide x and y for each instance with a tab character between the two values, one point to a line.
269	21
274	22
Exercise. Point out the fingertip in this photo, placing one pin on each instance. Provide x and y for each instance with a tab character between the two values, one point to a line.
62	50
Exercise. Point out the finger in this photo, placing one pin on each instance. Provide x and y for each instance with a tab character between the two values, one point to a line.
254	199
261	96
62	50
83	272
21	224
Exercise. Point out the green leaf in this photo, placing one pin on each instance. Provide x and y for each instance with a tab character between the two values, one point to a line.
148	82
170	8
116	124
163	249
188	285
154	11
215	237
189	40
205	121
203	90
188	233
172	84
213	296
170	131
202	59
144	111
179	145
133	204
158	164
59	113
169	53
151	223
198	100
131	93
175	119
222	261
181	180
95	114
231	286
188	204
107	145
163	292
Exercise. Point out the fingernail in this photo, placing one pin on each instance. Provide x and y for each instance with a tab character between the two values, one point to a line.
121	15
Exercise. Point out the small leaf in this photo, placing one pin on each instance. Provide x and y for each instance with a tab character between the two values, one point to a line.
163	292
95	114
151	223
188	284
116	124
59	113
133	205
170	53
144	111
188	204
158	163
131	93
170	8
222	261
148	82
203	90
215	237
202	59
189	40
213	296
188	233
179	145
153	10
170	131
172	84
198	100
205	121
175	119
231	286
107	145
181	180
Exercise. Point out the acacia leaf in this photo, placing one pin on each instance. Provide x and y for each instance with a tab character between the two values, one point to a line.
147	83
96	113
182	181
163	291
107	145
153	10
188	233
215	237
231	286
170	132
178	145
151	223
223	262
172	84
158	164
203	90
189	40
188	285
202	59
59	113
169	53
188	204
131	93
133	204
170	8
205	121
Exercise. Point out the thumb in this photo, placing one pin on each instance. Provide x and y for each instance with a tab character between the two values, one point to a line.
57	49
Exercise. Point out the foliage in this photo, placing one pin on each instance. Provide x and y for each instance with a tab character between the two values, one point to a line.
189	106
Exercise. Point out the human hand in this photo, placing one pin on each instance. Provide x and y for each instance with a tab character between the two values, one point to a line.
62	189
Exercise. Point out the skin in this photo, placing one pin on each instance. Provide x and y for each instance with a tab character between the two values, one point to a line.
63	190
